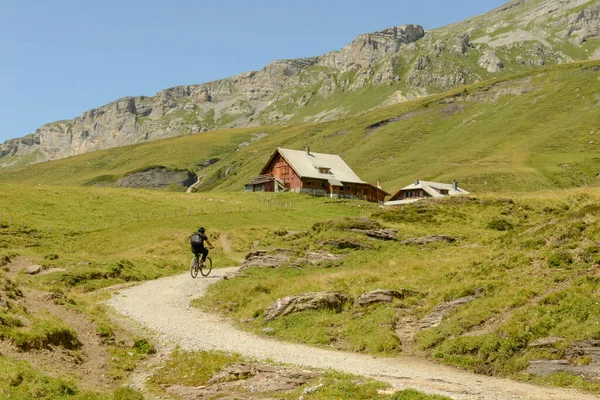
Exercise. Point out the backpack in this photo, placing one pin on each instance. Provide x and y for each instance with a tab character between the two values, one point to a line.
196	240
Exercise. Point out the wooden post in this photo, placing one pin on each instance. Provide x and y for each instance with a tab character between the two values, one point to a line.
10	222
22	224
188	211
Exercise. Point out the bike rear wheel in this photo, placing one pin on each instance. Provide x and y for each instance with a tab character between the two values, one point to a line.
194	267
207	267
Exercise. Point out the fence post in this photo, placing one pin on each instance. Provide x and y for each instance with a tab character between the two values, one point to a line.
10	223
22	224
188	211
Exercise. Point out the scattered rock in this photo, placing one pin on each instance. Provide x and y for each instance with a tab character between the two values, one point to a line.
237	378
382	296
545	342
583	359
429	239
208	163
441	310
586	348
268	331
384	234
321	256
33	269
549	367
306	301
261	258
348	244
312	389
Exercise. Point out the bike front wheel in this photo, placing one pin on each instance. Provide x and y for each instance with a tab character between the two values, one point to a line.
194	267
207	267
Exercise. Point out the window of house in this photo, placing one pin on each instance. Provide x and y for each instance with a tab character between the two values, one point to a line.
348	187
324	170
341	188
308	183
285	170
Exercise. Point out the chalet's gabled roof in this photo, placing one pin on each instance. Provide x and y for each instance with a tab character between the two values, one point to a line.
433	188
308	164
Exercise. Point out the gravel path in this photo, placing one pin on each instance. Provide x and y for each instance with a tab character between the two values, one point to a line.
163	306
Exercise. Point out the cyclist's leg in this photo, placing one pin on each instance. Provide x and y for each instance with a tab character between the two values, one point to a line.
204	254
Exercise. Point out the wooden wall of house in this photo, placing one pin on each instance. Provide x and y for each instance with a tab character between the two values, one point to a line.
281	169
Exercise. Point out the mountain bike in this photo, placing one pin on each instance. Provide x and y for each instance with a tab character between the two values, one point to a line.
196	266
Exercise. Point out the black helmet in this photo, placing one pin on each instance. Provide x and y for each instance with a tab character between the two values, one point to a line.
201	230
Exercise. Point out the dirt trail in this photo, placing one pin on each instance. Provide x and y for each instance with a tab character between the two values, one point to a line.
164	306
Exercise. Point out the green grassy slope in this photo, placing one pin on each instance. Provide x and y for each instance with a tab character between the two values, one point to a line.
532	262
525	132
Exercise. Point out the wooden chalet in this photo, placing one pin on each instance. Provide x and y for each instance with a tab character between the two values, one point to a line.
423	189
317	174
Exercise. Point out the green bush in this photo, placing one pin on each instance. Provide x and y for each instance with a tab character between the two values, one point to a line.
560	259
500	224
143	346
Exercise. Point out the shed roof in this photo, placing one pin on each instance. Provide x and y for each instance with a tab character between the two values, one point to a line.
307	165
433	188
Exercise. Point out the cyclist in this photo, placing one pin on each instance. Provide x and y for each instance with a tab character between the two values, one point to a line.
197	241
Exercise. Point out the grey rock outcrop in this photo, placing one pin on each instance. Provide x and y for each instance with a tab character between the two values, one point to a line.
383	234
369	48
157	178
264	258
306	301
382	296
321	256
429	239
491	62
259	379
348	244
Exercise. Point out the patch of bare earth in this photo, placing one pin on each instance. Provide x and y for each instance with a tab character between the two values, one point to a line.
89	362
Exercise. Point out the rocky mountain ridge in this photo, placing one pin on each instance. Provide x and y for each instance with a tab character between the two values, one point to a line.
381	68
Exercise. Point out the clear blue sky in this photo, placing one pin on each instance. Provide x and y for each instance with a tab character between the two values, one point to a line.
60	58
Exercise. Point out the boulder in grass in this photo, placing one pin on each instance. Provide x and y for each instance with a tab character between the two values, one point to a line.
321	256
383	234
33	269
348	244
262	258
306	301
430	239
382	296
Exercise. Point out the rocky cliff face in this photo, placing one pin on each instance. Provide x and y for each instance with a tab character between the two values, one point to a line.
380	68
